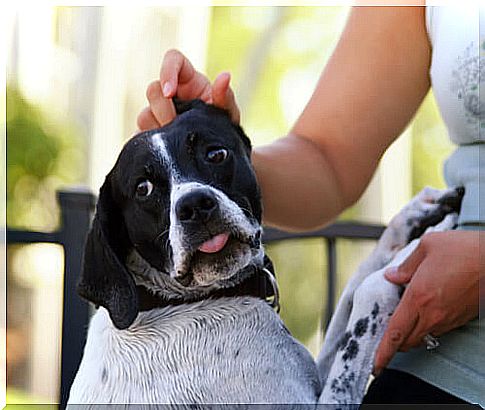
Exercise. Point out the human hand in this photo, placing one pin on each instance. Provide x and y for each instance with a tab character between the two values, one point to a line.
178	78
442	294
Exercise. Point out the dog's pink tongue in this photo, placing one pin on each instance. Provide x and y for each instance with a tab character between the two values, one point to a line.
214	244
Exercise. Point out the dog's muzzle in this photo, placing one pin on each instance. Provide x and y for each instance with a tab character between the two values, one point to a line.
211	237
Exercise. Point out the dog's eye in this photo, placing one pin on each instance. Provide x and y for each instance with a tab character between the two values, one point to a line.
216	155
144	188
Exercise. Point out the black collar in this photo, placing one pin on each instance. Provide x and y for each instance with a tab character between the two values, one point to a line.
260	284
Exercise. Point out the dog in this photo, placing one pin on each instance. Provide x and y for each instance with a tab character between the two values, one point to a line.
186	296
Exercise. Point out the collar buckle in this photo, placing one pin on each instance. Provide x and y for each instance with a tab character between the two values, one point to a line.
274	300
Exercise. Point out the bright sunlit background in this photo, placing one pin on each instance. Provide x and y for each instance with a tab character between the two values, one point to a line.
76	82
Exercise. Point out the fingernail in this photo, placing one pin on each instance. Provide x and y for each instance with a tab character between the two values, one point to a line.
223	74
167	89
392	271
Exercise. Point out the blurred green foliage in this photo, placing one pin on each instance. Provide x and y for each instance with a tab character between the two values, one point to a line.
19	400
270	52
42	155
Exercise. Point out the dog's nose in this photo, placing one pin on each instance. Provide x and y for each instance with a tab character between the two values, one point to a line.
196	206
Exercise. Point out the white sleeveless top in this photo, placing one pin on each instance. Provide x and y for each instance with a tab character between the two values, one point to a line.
457	70
457	74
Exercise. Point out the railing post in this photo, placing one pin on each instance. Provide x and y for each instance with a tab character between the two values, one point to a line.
331	280
76	208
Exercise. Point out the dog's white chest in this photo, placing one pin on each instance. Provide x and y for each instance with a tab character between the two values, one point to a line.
216	351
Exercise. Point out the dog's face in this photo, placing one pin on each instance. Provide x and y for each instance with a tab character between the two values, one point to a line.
185	199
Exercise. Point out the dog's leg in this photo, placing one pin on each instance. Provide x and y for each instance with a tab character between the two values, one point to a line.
425	209
374	301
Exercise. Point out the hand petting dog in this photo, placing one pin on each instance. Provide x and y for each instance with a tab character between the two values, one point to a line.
179	78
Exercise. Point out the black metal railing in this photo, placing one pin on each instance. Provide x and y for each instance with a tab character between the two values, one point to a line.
330	234
76	208
76	211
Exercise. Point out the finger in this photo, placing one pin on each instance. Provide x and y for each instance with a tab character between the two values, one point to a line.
414	339
223	96
400	326
146	120
162	108
175	66
198	87
403	273
219	89
206	94
436	325
432	321
179	78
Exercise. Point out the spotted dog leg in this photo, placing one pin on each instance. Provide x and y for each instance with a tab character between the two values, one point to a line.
430	206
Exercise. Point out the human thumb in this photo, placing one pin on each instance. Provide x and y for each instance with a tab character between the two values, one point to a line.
402	274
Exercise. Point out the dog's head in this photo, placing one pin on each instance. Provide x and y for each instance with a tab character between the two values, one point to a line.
183	200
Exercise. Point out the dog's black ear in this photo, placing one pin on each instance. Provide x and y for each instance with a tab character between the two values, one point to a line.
244	138
105	280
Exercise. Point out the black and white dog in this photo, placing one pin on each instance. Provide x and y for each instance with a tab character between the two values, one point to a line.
175	263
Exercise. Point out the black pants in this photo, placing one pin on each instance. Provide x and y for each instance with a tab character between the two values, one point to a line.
396	387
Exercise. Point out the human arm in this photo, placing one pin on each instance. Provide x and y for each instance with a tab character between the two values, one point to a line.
443	277
367	93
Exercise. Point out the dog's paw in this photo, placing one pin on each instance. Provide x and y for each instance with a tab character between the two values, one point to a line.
425	210
436	205
449	222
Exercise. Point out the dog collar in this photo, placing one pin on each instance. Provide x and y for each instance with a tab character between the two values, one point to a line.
260	284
